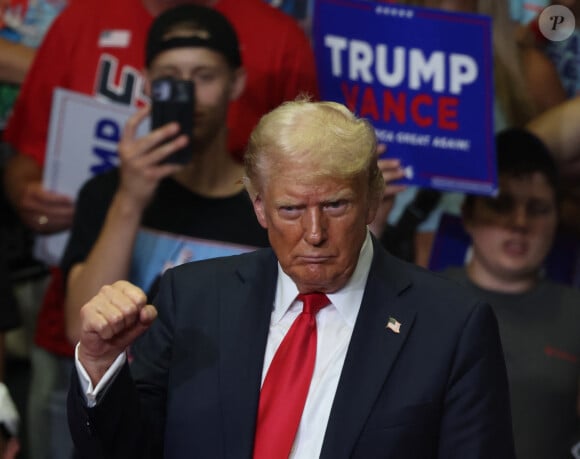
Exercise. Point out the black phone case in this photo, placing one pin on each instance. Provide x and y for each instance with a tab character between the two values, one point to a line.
173	100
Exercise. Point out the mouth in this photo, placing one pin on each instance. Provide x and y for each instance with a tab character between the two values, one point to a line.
516	248
313	259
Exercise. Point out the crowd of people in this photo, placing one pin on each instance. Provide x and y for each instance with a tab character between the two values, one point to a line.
190	297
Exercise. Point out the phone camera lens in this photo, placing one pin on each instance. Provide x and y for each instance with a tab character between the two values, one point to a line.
162	91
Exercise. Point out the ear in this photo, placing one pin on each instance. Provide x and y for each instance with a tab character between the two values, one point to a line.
373	208
239	83
372	211
259	209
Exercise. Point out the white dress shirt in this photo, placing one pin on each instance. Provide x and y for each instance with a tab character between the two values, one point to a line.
335	324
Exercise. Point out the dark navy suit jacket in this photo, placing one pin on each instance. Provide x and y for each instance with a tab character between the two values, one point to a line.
437	389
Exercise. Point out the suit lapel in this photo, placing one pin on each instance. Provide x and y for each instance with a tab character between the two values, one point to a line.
243	336
371	353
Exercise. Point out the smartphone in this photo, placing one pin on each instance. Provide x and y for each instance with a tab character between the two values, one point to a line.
173	100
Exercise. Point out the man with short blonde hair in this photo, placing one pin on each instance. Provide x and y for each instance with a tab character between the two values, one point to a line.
322	346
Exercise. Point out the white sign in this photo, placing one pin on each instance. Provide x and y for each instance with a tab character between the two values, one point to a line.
82	142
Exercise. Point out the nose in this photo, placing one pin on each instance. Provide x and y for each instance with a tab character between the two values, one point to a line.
314	226
519	217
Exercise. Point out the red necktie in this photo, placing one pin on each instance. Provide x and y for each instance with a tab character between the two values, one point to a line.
285	387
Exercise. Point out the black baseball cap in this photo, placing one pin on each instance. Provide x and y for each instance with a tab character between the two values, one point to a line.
210	29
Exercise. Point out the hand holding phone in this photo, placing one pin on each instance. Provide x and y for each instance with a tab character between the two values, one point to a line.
172	100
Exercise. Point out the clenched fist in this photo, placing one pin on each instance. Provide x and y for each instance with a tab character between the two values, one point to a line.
110	322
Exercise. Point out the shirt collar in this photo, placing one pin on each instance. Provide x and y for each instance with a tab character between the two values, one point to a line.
347	300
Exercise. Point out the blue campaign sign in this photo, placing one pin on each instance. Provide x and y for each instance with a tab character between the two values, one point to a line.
423	78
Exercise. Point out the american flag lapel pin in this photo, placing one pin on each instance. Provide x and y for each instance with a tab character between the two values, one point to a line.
394	325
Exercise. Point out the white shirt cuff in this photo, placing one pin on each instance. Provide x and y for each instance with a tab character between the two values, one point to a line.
89	391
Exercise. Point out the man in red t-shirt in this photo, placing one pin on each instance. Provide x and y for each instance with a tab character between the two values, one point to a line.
101	54
95	47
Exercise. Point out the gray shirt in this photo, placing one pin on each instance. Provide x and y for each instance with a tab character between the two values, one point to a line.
540	333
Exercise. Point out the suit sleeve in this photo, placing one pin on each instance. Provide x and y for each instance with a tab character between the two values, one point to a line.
128	421
477	421
110	430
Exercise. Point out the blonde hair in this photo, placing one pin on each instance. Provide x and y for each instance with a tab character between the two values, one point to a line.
324	137
510	81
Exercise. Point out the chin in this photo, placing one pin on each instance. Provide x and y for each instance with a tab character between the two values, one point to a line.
311	282
519	272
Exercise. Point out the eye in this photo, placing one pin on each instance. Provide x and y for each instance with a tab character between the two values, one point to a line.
336	207
501	204
289	212
205	77
539	208
166	73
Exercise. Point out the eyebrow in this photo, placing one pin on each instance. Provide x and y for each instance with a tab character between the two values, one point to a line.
345	195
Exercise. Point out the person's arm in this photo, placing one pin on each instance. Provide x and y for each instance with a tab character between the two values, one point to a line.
476	421
27	130
15	60
559	129
42	210
391	170
109	260
117	426
544	84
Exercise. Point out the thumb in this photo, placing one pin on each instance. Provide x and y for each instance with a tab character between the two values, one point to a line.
146	317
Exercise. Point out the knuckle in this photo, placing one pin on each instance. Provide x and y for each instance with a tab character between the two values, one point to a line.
127	309
100	327
116	319
120	283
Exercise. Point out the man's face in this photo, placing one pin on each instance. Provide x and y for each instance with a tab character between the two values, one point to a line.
315	227
216	84
513	233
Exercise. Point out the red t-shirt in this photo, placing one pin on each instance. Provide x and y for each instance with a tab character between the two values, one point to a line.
93	47
102	54
278	59
97	47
